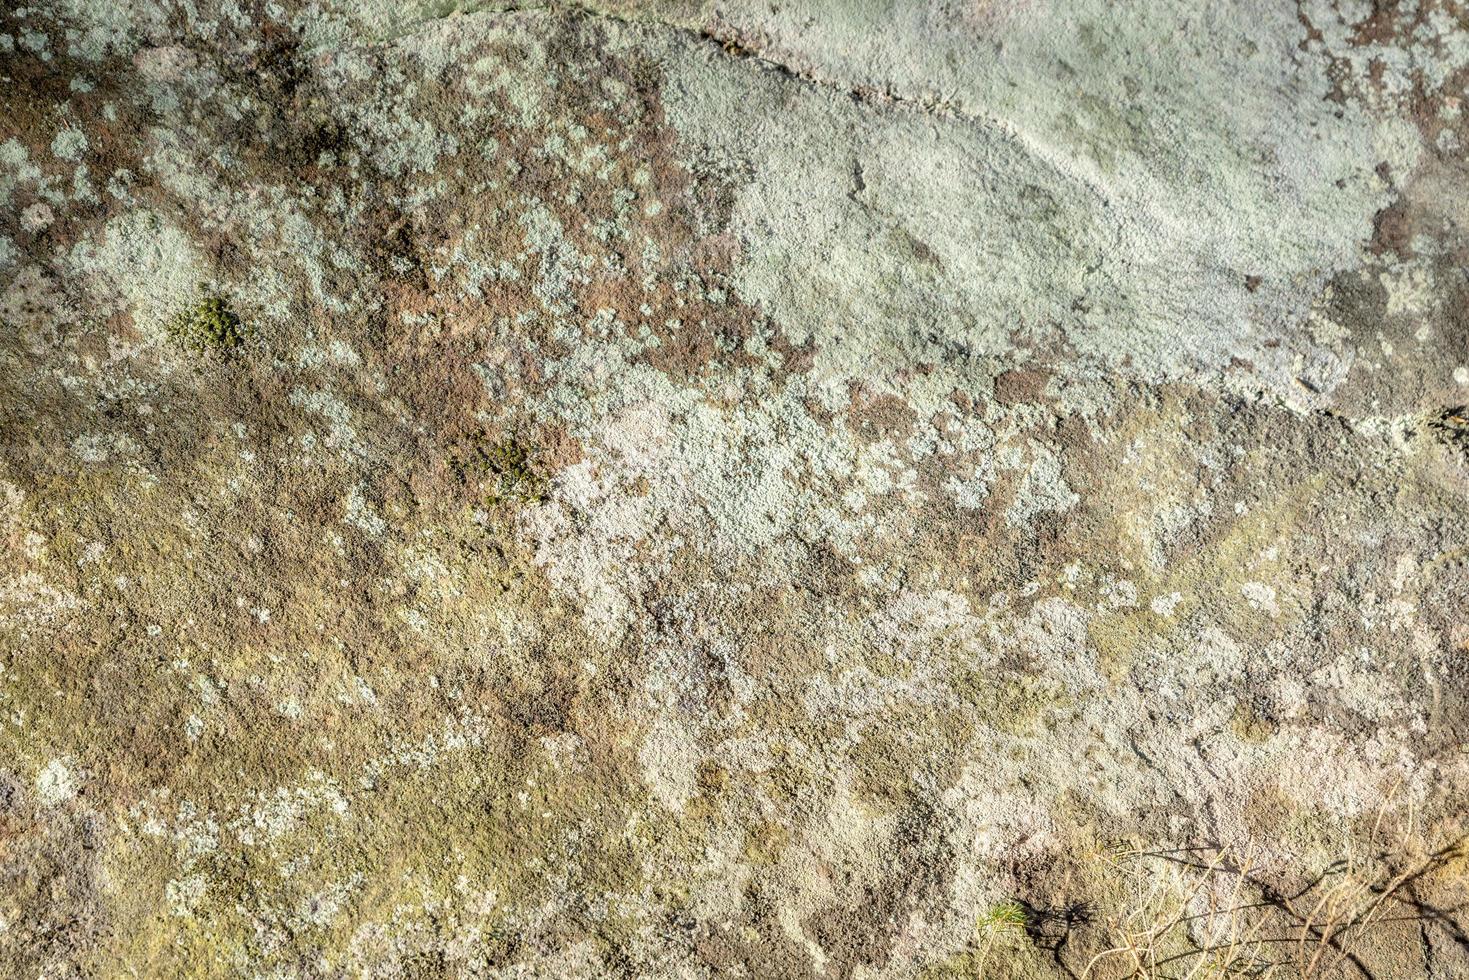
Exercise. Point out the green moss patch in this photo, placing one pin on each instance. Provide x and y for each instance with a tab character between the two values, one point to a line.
210	324
506	470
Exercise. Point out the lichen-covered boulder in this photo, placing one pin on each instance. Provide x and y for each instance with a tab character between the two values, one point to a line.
712	488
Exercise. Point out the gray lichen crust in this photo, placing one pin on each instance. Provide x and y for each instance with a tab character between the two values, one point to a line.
690	489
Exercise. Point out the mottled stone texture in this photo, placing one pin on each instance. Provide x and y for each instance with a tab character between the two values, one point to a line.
873	488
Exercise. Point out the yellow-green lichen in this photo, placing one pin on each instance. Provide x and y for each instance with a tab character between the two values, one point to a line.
1014	705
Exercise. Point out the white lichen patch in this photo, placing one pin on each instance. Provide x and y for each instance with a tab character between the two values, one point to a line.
1042	490
69	144
183	895
141	264
361	515
55	784
1091	191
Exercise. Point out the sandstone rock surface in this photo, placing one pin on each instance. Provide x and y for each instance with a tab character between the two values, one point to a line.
964	488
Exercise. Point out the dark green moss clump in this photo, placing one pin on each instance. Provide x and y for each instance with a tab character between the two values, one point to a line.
506	469
209	325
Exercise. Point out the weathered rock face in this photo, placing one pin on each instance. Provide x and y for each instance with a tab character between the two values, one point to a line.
675	490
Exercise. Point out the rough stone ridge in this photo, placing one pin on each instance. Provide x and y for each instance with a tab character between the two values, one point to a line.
712	488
